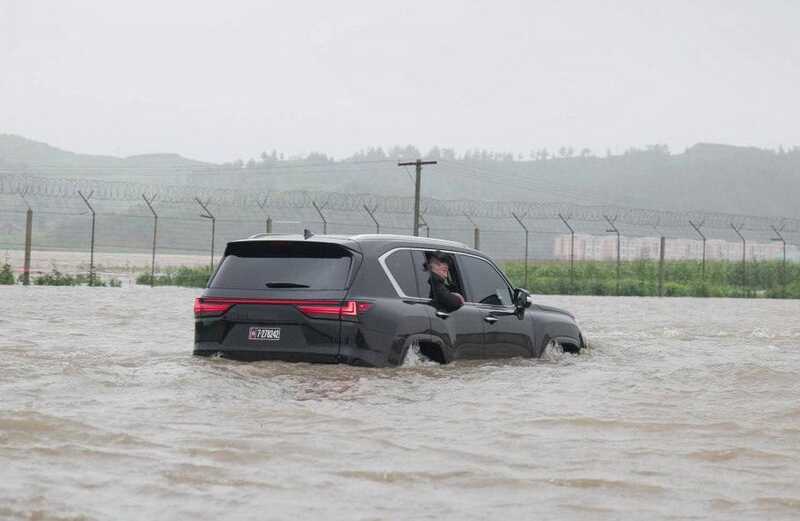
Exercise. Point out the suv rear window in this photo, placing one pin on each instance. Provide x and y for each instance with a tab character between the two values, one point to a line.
282	265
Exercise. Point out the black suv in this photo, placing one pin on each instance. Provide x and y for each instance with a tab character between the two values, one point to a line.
364	300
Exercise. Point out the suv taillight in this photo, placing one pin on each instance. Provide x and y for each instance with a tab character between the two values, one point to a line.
210	309
348	310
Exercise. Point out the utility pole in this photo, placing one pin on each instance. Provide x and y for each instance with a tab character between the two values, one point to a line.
26	267
744	254
263	206
321	216
703	237
571	252
91	250
476	233
613	229
781	239
210	216
155	233
371	213
417	189
519	220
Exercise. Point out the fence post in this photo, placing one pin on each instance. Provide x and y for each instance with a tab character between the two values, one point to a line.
613	229
263	206
321	216
662	247
476	233
26	266
155	233
571	252
424	223
783	266
371	213
702	236
91	250
209	215
519	220
744	255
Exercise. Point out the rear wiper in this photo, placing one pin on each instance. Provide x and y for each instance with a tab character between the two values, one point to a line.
286	285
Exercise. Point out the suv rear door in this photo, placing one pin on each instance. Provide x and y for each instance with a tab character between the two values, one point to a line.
285	299
505	334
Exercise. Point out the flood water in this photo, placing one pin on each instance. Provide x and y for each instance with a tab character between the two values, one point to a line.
682	409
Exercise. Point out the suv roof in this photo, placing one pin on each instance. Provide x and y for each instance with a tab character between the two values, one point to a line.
351	240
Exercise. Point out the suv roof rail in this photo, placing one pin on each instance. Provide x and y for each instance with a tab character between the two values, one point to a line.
433	241
263	235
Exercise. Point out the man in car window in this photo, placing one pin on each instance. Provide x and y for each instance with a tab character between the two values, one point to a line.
441	296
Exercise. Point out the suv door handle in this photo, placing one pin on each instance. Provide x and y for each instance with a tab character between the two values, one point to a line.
442	314
490	319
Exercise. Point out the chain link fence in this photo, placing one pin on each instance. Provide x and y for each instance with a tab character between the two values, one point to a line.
557	233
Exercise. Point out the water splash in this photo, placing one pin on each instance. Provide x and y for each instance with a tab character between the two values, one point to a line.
415	358
553	352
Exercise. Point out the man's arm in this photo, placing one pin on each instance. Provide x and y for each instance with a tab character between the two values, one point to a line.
442	297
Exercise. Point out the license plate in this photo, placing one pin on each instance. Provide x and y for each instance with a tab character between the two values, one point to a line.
264	333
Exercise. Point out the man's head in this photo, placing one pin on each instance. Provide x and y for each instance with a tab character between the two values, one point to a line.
439	264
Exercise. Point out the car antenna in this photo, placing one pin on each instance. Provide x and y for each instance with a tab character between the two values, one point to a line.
307	233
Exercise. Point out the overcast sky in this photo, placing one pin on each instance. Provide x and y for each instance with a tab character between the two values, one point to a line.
225	80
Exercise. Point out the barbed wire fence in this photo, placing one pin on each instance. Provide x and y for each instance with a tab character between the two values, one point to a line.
157	218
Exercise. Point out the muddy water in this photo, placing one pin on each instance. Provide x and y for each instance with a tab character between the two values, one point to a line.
682	409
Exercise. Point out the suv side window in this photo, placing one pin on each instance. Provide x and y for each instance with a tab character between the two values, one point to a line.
400	266
423	275
486	285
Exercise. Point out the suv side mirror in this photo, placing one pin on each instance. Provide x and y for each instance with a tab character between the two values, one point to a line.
521	298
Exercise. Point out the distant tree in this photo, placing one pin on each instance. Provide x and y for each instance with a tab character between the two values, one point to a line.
434	153
251	163
448	153
585	152
318	157
661	150
372	153
406	152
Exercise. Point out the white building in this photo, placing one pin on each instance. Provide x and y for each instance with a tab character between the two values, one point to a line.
604	248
